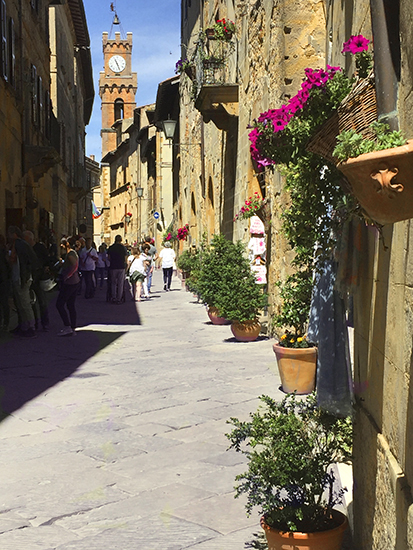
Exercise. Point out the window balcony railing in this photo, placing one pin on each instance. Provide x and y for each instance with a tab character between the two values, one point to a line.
213	74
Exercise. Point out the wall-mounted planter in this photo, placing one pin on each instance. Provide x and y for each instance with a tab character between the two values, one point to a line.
190	72
382	182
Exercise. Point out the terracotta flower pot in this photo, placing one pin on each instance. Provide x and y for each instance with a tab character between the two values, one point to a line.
297	368
215	318
247	331
382	181
322	540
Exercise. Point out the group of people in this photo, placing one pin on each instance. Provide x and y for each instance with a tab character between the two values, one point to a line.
28	270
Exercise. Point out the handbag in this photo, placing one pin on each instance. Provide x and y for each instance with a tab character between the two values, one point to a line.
134	276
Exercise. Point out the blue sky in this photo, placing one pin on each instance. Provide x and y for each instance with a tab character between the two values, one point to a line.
156	48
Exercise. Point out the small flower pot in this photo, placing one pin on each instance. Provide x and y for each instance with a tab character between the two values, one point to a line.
210	33
382	182
297	368
246	331
215	318
190	72
322	540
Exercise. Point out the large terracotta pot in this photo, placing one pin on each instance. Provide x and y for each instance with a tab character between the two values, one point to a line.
382	181
297	368
322	540
215	318
247	331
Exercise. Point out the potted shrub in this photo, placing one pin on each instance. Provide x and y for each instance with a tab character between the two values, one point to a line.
188	263
296	356
227	283
379	171
290	447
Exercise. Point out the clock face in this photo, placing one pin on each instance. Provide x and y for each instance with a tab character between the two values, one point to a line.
117	63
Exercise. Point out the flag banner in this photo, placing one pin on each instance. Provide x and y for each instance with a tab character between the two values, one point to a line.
95	212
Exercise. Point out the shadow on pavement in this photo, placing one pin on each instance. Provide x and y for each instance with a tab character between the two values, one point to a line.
258	542
233	340
29	366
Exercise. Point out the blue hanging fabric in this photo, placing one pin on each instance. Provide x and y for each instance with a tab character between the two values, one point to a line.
328	329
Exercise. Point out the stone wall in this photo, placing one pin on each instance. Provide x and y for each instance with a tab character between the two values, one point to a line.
275	42
383	323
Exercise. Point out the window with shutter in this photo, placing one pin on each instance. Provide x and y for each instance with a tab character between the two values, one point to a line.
3	36
35	112
40	103
12	53
47	115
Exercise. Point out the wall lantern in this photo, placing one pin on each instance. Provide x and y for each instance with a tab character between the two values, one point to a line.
139	191
168	127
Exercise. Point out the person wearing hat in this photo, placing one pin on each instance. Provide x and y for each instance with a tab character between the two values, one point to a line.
167	256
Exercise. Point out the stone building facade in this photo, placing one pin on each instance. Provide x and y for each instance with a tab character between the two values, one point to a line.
383	302
263	66
275	41
137	166
43	84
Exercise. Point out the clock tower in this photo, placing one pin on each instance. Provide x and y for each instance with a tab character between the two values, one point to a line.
117	86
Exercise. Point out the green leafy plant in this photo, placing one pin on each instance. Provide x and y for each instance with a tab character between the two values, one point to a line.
290	447
189	263
319	202
350	144
226	281
182	65
186	261
224	29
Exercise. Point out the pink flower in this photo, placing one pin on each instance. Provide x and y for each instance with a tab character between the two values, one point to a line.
356	44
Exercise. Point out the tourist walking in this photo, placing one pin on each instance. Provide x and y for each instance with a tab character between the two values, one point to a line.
153	254
22	262
117	261
167	256
88	259
138	272
101	266
40	309
69	285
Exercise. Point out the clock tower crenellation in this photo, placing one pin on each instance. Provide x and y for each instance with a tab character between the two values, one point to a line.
117	86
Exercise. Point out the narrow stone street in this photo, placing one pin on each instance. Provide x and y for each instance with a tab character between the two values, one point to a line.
115	438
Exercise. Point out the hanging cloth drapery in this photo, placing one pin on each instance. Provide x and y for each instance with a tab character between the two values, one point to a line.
328	329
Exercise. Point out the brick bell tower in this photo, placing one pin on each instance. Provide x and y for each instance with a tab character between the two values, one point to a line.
117	86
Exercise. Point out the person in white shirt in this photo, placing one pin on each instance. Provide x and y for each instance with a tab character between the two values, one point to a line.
101	265
89	258
138	272
167	257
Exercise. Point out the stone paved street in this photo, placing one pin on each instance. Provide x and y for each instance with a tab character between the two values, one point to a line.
115	437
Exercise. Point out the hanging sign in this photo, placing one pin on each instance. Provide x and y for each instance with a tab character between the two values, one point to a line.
156	215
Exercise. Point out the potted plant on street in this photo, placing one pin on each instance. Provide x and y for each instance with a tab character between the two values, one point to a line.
187	263
214	260
227	283
296	356
290	448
